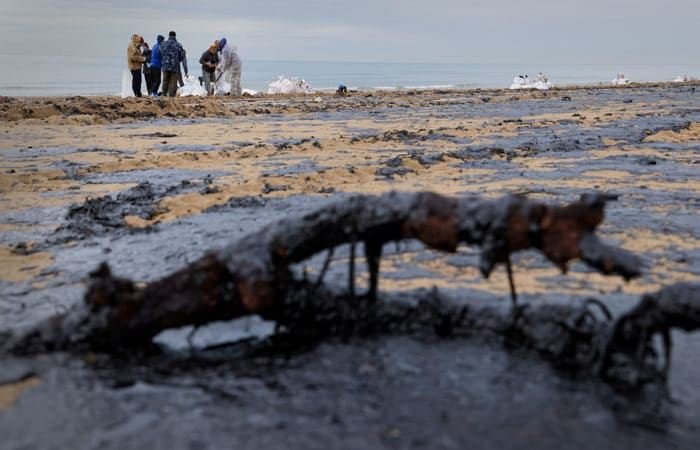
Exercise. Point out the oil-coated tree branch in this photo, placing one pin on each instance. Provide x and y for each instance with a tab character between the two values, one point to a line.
252	275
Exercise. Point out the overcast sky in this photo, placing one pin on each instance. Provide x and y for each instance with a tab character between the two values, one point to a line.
479	31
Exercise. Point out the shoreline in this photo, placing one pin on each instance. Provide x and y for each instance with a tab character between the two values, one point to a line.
106	109
400	90
57	151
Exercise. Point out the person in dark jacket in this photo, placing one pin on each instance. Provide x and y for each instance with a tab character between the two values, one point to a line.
209	60
156	64
147	72
172	55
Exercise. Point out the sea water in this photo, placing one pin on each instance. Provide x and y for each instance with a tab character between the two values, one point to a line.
32	75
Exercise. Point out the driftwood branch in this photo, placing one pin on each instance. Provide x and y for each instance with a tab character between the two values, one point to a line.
252	274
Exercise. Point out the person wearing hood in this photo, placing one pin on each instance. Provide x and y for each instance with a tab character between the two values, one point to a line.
230	66
135	59
172	55
147	69
156	64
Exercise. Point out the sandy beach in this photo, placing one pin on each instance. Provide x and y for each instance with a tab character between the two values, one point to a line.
220	167
60	151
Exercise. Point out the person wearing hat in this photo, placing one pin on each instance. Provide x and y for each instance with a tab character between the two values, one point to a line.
172	55
230	66
147	69
134	60
156	64
209	60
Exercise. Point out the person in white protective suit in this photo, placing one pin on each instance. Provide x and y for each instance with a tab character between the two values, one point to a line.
230	67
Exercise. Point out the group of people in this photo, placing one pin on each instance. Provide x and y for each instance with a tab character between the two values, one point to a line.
220	65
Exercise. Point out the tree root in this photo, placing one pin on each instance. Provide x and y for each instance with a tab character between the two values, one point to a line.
252	276
629	354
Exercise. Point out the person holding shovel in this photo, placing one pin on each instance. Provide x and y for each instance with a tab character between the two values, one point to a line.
230	66
209	60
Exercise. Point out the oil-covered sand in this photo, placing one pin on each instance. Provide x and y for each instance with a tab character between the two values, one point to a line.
189	175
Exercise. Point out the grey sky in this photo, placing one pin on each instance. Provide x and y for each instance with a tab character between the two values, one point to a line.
488	31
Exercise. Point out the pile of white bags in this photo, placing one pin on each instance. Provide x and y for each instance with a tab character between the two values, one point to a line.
620	79
682	79
192	88
541	82
287	85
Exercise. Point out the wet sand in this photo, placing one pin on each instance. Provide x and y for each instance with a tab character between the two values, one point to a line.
225	166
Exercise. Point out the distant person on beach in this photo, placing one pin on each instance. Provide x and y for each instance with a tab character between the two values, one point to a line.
209	60
230	66
135	59
156	64
147	69
172	55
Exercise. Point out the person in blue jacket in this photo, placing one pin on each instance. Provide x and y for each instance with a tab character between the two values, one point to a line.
156	64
